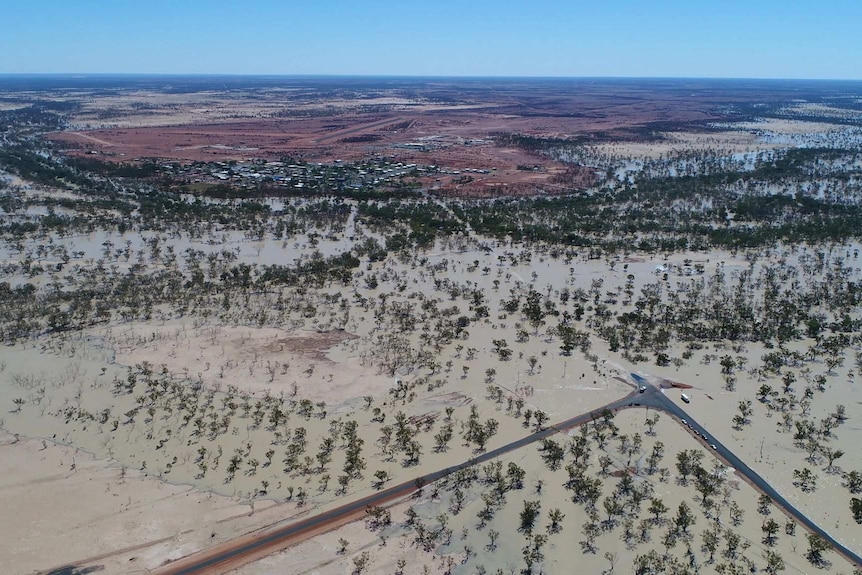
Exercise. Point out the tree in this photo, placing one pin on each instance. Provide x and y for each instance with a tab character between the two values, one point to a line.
655	457
556	517
528	516
686	462
831	455
541	419
552	453
684	517
765	393
657	509
342	546
533	310
743	418
613	507
532	361
443	437
840	413
378	518
727	364
591	531
788	380
732	540
856	509
774	563
492	537
805	479
651	423
650	564
770	530
361	562
817	546
380	477
605	463
853	481
711	538
502	350
515	476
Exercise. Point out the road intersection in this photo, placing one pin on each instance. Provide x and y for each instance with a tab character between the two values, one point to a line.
253	546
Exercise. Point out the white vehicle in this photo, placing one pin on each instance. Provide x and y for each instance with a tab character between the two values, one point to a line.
685	398
642	389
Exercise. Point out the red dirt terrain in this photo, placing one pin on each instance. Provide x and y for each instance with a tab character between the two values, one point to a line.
454	126
462	143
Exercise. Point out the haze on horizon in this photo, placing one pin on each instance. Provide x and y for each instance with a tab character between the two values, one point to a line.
733	39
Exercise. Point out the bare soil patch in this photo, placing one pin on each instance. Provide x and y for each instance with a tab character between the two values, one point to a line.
252	359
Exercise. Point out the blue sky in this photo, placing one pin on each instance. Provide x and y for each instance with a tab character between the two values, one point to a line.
691	38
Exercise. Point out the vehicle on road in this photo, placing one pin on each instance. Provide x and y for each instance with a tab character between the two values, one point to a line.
642	389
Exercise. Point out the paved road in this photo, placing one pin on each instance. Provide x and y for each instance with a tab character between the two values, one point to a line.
656	399
353	129
234	553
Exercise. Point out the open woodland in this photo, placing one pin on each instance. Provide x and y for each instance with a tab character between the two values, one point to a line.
230	303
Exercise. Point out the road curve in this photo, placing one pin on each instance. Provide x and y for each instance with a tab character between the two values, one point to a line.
237	552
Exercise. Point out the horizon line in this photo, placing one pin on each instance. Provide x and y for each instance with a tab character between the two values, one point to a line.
401	76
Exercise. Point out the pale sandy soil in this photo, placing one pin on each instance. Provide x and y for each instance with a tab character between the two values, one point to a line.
71	372
142	109
734	141
148	109
739	137
7	106
69	507
814	109
320	554
252	359
12	179
788	126
563	551
771	453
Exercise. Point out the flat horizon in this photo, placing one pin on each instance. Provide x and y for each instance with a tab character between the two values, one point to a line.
409	76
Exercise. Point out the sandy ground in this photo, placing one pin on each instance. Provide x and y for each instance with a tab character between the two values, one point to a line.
770	452
385	548
122	482
252	359
815	109
735	141
59	377
736	138
789	126
69	507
